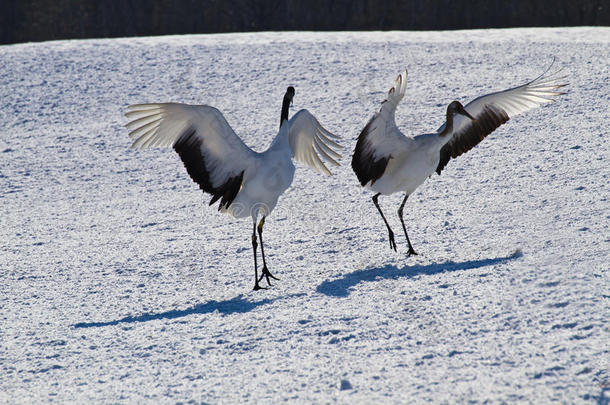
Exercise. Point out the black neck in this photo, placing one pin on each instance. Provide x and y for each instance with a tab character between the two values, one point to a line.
448	125
285	106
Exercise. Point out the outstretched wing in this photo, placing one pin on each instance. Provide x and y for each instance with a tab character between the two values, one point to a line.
311	143
380	137
213	155
493	110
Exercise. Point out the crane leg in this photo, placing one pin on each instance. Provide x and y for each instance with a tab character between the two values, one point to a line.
254	245
265	272
391	234
400	210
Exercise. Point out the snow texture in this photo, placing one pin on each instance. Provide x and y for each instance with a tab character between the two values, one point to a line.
120	285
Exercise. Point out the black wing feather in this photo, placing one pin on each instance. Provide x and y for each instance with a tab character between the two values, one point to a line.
366	167
189	148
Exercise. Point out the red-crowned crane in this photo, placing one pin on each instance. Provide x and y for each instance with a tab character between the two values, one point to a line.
386	161
246	183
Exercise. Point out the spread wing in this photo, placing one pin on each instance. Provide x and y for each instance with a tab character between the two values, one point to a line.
380	137
493	110
213	155
311	143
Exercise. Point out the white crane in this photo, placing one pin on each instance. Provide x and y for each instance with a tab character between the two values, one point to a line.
247	183
386	161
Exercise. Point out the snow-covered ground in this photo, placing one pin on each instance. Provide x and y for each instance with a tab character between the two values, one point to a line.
119	283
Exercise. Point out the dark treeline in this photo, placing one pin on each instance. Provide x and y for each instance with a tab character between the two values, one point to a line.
40	20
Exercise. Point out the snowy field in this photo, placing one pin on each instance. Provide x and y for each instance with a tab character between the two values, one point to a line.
120	285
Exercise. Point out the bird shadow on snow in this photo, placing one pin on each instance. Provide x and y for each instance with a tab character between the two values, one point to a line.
235	305
341	287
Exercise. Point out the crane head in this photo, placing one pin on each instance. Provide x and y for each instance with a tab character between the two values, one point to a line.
457	108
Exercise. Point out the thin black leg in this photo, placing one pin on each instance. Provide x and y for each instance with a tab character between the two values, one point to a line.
265	272
400	210
254	245
391	234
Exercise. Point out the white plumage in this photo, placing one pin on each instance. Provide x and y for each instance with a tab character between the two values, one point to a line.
386	161
246	182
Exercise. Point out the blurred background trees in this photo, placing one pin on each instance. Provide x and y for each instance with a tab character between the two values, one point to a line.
39	20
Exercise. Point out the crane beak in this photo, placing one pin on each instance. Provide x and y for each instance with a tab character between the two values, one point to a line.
464	112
